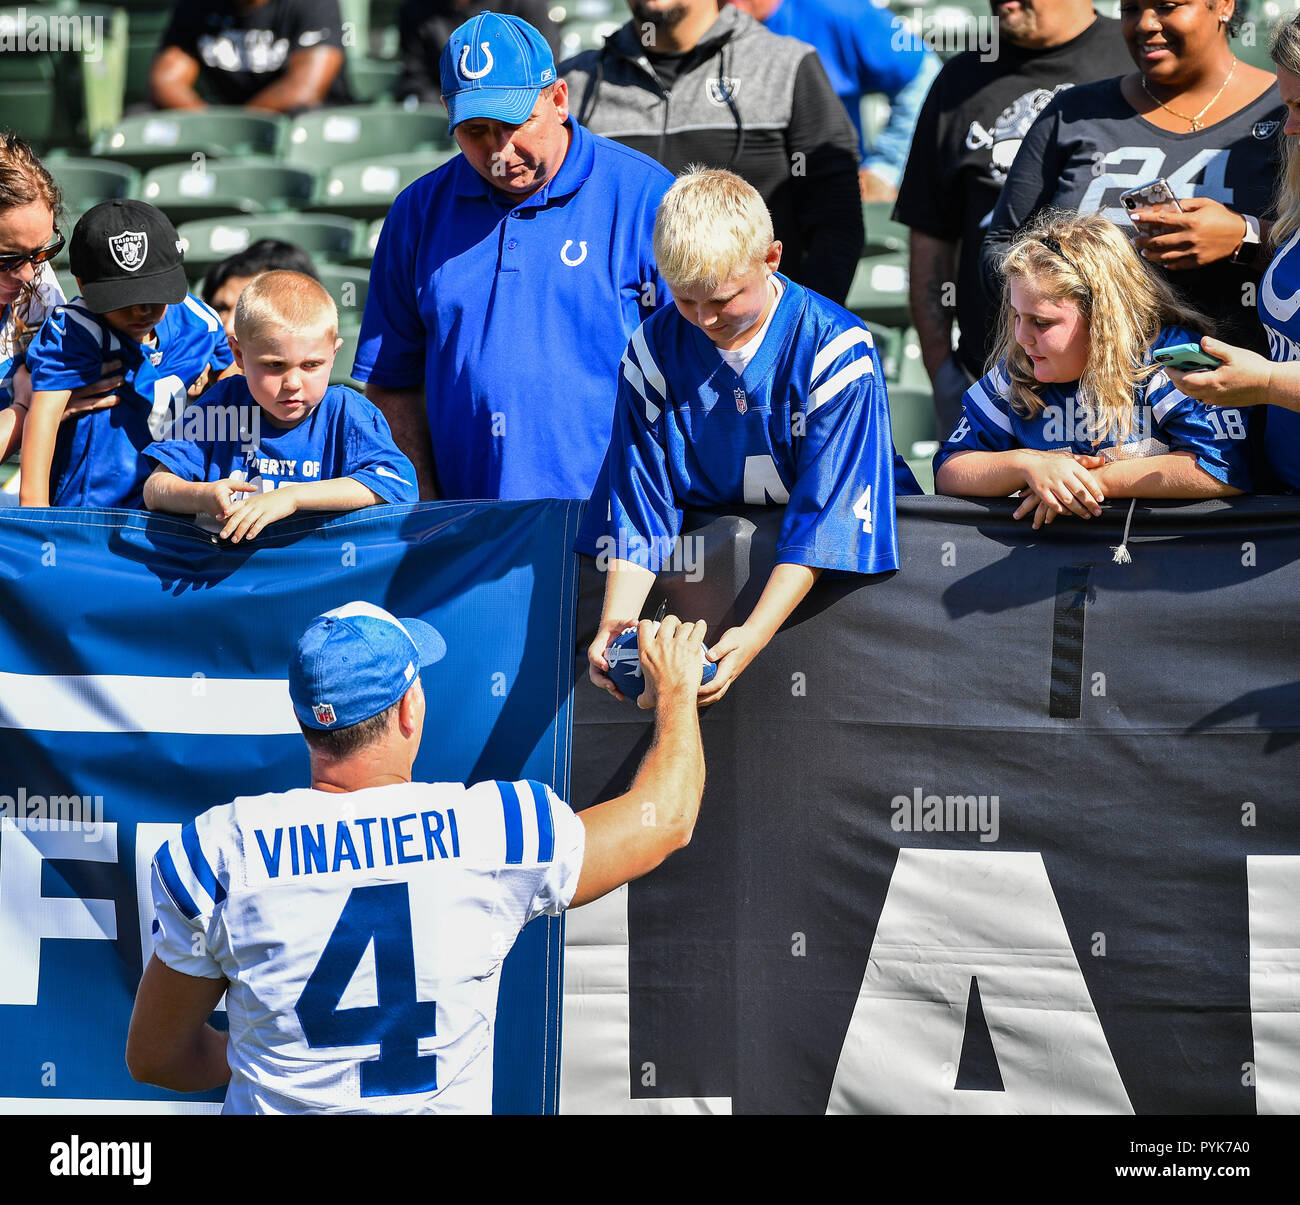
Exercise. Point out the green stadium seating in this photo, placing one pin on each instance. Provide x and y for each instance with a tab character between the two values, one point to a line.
911	413
348	286
584	34
878	294
372	79
366	189
363	249
882	232
27	96
326	137
145	28
86	182
219	132
342	372
226	186
323	236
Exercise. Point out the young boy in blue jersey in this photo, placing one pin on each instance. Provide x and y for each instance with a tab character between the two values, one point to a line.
1075	409
281	438
134	307
751	389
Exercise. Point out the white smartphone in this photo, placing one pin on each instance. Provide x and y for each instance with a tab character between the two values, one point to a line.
1156	195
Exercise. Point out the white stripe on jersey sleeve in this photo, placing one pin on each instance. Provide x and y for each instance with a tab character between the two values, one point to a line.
646	361
1171	397
984	404
91	327
836	348
860	367
195	306
637	381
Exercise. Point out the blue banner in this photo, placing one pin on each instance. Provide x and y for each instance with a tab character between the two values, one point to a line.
142	681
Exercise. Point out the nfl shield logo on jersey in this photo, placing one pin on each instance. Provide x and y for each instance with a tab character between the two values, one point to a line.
129	249
324	713
742	405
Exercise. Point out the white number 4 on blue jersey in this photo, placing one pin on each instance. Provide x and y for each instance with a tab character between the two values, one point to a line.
862	510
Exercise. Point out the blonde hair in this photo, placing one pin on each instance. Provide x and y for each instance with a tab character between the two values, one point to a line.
711	226
1284	50
24	180
1122	300
285	300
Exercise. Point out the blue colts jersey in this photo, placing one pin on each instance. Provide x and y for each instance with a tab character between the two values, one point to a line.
1164	420
805	426
345	435
99	459
1279	301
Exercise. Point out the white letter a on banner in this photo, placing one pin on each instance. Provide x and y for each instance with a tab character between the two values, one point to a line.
950	915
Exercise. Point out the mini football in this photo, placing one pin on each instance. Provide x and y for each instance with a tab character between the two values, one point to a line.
624	659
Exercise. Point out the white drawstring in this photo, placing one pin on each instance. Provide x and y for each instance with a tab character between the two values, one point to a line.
1120	552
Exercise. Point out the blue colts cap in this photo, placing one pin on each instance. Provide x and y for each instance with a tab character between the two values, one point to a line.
494	66
356	661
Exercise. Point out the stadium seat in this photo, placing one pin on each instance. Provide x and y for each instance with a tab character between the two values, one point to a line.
226	186
342	372
327	137
146	22
366	189
878	294
323	236
27	94
578	35
348	286
85	182
911	413
883	233
218	132
363	249
372	79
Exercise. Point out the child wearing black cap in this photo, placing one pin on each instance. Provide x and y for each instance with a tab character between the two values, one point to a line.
134	307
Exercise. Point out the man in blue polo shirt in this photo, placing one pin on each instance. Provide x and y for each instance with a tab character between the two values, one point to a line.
507	283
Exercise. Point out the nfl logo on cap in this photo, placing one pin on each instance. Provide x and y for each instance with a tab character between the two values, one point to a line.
324	713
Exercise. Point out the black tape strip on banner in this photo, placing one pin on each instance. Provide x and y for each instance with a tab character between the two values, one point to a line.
1067	642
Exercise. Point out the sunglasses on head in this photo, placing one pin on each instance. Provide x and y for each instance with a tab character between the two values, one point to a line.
11	263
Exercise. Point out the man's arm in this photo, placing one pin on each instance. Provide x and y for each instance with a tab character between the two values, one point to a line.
172	78
170	1043
306	81
408	419
932	268
630	835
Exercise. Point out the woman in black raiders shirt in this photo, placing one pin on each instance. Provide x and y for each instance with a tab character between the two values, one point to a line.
1194	114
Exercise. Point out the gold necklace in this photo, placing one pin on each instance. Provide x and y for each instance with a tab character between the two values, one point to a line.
1196	121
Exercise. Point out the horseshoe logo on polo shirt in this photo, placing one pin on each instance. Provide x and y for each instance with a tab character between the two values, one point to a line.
463	68
564	253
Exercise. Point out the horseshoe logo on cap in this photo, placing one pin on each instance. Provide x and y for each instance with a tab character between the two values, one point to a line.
564	253
464	70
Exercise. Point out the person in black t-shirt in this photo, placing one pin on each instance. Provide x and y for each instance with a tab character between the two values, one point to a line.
970	128
282	55
1192	114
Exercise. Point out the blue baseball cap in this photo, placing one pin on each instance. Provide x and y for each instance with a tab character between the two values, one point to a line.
494	66
356	661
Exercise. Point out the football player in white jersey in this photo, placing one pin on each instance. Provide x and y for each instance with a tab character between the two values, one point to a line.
277	900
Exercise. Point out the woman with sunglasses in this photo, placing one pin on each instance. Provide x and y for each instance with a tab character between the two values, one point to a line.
29	241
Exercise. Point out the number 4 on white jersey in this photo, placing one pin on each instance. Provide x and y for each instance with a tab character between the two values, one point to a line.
862	510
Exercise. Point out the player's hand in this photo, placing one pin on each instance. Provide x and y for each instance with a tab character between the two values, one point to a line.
249	516
1059	483
672	659
597	662
732	653
1241	380
1205	232
226	493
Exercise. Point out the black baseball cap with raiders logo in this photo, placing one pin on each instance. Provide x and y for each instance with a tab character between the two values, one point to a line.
127	253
